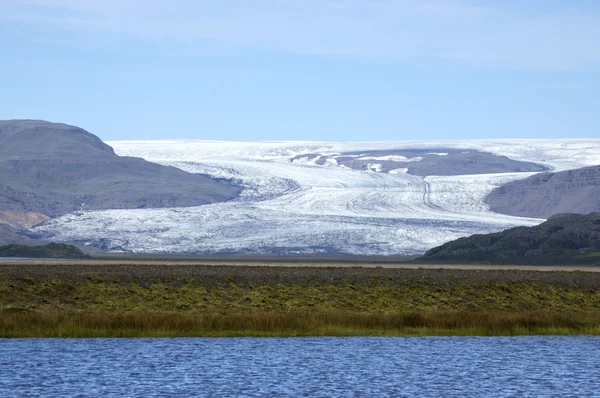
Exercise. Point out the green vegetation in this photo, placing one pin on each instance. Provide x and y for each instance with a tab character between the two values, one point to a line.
105	308
52	250
565	239
273	324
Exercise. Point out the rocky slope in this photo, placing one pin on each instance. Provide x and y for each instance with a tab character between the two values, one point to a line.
564	238
49	169
546	194
423	162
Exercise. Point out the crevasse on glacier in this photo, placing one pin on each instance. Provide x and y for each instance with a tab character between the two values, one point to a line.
295	203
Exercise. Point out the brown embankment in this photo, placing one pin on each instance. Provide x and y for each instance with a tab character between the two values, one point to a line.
211	273
134	298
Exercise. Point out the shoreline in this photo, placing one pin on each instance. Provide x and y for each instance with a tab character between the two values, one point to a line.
291	263
169	325
83	299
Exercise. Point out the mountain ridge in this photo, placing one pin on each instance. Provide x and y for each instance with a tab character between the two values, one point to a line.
545	194
50	169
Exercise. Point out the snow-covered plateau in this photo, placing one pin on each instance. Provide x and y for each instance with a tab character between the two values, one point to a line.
320	197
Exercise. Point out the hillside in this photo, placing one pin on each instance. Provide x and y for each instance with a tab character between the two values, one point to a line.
545	194
52	250
564	238
49	169
8	235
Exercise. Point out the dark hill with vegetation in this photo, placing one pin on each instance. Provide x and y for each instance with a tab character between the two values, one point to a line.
563	239
50	169
545	194
52	250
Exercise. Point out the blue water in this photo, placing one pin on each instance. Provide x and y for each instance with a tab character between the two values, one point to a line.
309	367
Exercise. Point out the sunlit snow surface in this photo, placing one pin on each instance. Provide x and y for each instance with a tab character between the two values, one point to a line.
302	207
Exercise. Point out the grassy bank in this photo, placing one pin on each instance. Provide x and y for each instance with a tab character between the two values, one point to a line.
268	302
277	324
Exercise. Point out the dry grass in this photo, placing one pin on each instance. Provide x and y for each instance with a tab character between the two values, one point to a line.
60	324
376	303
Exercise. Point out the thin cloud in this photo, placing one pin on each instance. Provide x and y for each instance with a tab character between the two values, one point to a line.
489	34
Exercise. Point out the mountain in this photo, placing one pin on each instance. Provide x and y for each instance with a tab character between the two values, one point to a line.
545	194
50	169
564	238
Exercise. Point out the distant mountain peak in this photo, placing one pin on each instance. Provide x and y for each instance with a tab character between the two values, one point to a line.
53	169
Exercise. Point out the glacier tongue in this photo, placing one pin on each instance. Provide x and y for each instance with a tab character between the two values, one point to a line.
306	207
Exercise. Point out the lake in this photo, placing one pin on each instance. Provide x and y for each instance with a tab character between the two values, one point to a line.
311	367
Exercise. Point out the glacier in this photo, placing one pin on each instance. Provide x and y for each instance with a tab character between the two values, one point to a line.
294	203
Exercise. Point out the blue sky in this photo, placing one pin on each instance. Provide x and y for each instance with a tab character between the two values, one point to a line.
342	70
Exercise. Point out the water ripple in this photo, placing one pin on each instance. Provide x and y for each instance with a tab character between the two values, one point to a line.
310	367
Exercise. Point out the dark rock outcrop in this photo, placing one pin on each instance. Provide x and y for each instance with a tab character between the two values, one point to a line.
52	250
439	162
545	194
564	238
52	169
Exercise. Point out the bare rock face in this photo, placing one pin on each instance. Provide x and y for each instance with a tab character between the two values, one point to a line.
51	169
419	162
546	194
